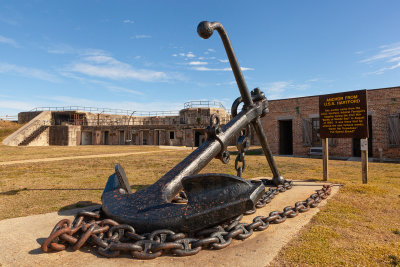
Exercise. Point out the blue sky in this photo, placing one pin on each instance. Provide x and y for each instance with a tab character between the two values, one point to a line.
147	56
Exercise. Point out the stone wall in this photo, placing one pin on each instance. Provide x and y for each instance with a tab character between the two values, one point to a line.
74	135
42	139
24	117
201	116
58	135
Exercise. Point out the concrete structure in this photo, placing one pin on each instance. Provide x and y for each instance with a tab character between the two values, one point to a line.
74	126
292	127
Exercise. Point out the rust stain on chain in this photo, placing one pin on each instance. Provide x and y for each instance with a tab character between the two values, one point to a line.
112	238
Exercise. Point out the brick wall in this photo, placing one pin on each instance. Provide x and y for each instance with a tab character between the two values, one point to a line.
381	103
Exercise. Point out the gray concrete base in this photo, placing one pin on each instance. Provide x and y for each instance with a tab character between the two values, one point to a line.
20	240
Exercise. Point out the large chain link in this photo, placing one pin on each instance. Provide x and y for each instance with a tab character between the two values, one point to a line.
112	238
243	144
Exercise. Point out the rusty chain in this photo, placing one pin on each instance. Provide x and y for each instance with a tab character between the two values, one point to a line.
112	238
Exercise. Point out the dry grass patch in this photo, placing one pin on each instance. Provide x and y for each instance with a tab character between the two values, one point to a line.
7	128
43	187
359	226
9	153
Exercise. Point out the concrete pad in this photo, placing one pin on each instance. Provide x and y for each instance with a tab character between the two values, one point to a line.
20	240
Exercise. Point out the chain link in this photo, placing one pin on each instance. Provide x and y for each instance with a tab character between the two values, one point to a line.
243	144
112	238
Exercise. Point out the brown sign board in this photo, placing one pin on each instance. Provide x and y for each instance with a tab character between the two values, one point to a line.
344	115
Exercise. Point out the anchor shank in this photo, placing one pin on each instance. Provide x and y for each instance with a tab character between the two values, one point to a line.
170	184
205	30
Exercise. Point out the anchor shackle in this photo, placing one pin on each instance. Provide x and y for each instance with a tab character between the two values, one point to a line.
205	29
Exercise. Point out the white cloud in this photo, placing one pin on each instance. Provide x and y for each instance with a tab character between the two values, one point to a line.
141	36
16	106
98	63
8	41
394	59
387	54
198	63
124	90
284	89
219	69
120	71
187	56
101	59
223	60
27	72
61	49
111	87
210	50
382	70
104	66
128	21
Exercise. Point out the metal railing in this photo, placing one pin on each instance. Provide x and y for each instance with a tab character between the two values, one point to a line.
109	111
201	103
119	122
9	118
156	113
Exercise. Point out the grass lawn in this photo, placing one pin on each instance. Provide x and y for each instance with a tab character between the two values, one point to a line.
359	226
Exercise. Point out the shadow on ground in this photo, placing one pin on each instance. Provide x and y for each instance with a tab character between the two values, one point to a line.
70	209
16	191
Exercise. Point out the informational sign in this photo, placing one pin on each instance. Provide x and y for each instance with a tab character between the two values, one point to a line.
344	115
364	144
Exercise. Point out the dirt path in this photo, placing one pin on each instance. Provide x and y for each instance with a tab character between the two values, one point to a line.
81	157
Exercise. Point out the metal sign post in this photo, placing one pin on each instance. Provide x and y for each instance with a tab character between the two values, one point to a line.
364	159
325	158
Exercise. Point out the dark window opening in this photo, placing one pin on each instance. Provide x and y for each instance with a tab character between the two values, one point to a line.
285	137
316	138
394	130
171	135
